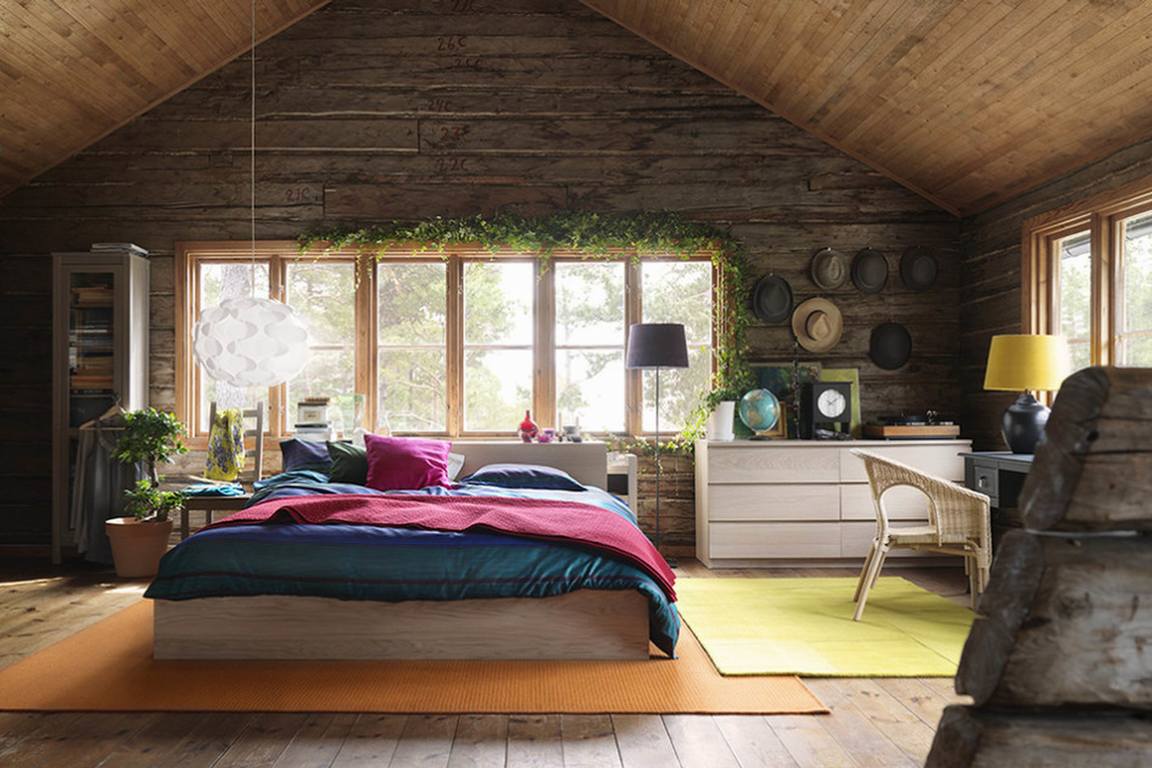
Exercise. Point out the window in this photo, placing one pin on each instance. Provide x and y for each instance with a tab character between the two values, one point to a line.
498	344
324	294
1073	295
678	292
1134	292
461	344
411	367
590	331
1088	277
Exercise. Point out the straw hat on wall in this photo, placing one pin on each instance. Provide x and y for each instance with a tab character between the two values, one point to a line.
818	325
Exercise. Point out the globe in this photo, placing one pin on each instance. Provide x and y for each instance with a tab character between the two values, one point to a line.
759	410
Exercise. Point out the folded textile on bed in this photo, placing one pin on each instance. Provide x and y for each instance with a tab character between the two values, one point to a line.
569	522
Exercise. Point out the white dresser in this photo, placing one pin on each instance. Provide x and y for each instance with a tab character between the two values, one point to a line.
793	502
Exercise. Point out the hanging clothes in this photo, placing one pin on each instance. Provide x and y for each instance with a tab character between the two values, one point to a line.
226	445
99	483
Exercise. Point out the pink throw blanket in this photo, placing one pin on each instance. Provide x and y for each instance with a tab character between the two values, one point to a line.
565	521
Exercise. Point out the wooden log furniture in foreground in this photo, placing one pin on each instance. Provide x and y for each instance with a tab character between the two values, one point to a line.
1059	660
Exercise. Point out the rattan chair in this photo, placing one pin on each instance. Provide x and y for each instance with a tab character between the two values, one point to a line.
959	523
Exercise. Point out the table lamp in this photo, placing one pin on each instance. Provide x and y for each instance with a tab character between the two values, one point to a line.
1023	363
656	346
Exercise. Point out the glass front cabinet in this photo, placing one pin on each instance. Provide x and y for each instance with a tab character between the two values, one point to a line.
100	358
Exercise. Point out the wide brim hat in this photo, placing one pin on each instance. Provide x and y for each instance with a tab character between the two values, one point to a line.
870	271
829	269
772	299
818	325
918	268
890	346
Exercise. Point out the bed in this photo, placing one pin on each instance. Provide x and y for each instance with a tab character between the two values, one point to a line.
344	590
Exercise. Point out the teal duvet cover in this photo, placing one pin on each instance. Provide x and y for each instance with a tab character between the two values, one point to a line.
362	562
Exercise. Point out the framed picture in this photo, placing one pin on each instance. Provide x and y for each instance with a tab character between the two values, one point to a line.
776	377
850	376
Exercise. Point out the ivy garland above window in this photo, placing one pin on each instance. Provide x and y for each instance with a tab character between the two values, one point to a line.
599	236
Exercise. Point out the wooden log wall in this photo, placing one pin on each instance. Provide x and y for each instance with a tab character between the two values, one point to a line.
375	109
1057	662
990	297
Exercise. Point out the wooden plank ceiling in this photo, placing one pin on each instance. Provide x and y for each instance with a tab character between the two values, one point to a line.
71	71
969	102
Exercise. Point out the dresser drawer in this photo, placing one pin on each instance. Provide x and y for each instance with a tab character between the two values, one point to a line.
856	538
901	503
943	461
984	478
741	502
764	464
749	541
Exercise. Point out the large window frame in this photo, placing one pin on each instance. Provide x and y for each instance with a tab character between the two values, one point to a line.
1103	217
280	253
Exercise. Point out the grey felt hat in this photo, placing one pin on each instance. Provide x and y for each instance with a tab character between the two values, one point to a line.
772	299
829	269
870	271
918	268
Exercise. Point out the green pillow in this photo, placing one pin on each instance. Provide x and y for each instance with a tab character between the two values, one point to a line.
349	464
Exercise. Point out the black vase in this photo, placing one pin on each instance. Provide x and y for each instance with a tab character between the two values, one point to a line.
1024	422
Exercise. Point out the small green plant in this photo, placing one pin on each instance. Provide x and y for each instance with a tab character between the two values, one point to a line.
147	502
150	437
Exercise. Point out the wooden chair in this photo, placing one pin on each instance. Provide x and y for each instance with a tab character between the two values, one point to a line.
210	504
959	523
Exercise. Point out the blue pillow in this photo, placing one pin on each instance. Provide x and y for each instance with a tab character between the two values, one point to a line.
304	454
524	476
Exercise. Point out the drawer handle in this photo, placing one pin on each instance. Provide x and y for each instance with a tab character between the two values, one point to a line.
982	482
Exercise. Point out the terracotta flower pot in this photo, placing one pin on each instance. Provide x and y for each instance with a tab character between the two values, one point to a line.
137	546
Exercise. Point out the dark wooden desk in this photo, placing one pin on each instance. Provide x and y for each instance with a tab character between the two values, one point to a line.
1000	475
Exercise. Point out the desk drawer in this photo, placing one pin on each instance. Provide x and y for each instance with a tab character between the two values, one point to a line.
984	478
773	464
737	502
749	541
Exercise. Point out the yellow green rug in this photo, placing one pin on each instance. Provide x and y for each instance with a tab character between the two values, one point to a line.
804	627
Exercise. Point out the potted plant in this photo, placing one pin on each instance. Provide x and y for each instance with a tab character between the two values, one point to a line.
150	437
722	404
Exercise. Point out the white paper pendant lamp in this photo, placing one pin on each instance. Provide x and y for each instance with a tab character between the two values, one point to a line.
251	342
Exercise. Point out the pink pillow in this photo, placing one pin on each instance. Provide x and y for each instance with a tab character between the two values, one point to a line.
406	463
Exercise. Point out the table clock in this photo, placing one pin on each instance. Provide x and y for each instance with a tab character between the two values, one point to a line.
825	406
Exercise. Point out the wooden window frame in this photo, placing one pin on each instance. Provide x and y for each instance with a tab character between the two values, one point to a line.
1103	217
280	253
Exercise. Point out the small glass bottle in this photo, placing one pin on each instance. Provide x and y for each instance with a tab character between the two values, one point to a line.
528	429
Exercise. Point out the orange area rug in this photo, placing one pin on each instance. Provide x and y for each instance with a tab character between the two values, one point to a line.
108	667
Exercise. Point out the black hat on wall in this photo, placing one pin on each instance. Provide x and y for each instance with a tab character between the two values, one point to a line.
918	268
870	271
772	299
890	346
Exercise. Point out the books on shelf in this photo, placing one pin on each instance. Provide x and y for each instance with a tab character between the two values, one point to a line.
118	248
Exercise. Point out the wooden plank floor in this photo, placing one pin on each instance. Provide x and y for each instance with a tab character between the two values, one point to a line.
875	722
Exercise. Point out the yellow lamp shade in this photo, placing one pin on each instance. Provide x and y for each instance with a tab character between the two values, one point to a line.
1021	362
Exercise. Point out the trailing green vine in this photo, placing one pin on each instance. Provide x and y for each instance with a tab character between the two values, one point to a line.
596	236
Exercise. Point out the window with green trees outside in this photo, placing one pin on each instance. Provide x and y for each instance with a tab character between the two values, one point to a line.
463	343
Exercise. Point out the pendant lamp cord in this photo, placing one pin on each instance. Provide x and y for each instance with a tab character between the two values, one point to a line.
252	154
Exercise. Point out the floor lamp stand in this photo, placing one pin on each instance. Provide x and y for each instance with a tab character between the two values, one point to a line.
658	540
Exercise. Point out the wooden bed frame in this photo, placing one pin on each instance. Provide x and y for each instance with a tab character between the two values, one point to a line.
586	624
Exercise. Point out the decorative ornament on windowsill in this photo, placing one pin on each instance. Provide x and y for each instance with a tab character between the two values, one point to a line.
1025	363
249	341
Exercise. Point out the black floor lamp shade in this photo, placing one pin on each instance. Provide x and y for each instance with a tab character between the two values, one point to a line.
657	345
